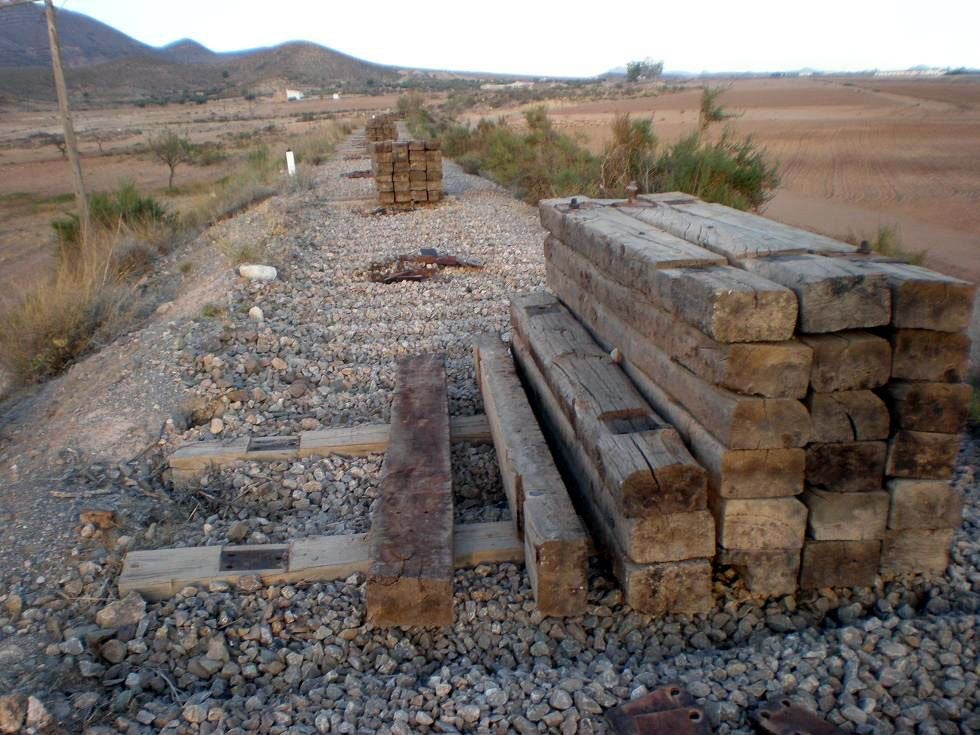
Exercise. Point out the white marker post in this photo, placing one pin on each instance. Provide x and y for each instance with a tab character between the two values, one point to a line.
290	163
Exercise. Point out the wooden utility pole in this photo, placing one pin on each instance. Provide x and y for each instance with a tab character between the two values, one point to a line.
71	143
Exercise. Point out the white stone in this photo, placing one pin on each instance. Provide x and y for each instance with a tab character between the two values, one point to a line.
255	314
258	272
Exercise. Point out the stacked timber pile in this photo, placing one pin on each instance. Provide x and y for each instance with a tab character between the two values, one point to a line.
407	172
636	485
820	389
382	127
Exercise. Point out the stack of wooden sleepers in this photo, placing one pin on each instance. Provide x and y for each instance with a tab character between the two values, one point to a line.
640	490
821	389
381	127
407	172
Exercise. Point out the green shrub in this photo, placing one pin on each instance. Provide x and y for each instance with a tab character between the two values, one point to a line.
123	208
629	157
736	173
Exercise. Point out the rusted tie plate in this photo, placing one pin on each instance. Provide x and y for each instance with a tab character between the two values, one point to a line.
666	711
782	717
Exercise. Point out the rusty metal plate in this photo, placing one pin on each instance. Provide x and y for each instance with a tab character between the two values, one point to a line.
782	717
684	721
659	700
263	444
241	559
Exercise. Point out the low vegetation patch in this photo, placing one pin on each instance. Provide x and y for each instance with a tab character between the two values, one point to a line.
539	162
92	294
887	242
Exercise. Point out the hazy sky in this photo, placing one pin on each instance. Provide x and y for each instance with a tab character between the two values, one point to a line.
572	38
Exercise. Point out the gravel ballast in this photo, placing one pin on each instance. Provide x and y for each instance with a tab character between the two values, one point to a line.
897	658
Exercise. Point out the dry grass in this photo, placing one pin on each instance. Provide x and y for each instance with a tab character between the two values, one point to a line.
886	242
83	305
91	295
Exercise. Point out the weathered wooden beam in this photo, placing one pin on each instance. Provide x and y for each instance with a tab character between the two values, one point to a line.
839	563
848	416
555	540
641	459
410	582
925	355
738	422
928	504
765	572
833	293
161	573
924	299
759	524
681	585
846	467
937	407
728	304
770	369
657	537
732	473
851	360
729	232
772	235
846	516
922	455
356	441
916	551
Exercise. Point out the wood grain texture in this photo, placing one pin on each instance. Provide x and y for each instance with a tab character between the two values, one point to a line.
925	504
556	542
916	551
852	360
925	299
848	416
727	304
770	369
732	473
923	455
759	524
738	422
846	516
729	232
411	540
925	355
358	441
833	293
771	234
766	573
846	467
161	573
936	407
657	588
641	459
657	537
839	563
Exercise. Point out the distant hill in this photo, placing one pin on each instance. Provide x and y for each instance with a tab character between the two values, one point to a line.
107	65
187	51
84	40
